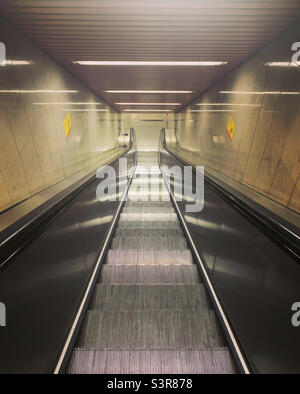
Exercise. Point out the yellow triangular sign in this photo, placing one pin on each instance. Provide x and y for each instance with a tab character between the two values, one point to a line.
230	127
67	124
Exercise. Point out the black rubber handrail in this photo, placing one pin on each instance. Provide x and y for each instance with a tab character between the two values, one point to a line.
15	242
284	237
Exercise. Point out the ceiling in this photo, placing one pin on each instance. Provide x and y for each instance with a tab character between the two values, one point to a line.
174	30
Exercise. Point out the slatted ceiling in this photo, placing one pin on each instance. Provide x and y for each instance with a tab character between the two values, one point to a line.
150	30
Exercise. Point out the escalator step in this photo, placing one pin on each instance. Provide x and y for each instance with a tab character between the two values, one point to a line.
151	232
149	257
192	361
154	204
167	329
148	210
138	274
149	243
149	224
148	216
149	297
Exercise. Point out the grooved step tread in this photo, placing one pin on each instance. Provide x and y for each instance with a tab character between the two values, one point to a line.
149	224
148	204
155	210
149	257
167	329
151	232
192	361
160	274
149	297
149	243
148	216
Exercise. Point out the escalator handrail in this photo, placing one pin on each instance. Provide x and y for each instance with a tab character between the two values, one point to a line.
16	240
272	226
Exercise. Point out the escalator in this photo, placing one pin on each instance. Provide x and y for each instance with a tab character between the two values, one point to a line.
149	312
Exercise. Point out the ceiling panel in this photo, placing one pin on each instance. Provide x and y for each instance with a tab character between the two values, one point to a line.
191	30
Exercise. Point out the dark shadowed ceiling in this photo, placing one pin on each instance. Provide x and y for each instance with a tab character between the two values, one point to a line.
168	30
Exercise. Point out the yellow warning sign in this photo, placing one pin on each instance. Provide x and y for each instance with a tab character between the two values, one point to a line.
230	127
67	124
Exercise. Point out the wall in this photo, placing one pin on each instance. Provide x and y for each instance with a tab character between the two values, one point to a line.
34	151
147	128
264	153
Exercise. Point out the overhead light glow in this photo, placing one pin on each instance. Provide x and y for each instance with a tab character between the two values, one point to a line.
148	63
148	103
84	110
212	110
65	103
16	62
282	64
150	91
38	91
147	110
230	104
257	93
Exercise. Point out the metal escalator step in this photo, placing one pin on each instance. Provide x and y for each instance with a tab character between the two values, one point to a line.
151	196
148	224
149	257
167	329
154	204
149	297
149	274
148	210
148	216
149	243
151	232
192	361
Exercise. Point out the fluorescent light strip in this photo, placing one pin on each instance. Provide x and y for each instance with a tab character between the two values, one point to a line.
38	91
151	91
83	110
149	63
245	105
148	103
76	103
212	110
257	93
15	62
282	64
147	110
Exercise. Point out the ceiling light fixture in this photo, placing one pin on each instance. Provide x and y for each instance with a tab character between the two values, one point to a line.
257	93
245	105
149	63
212	110
282	64
151	91
148	103
147	110
15	62
38	91
70	103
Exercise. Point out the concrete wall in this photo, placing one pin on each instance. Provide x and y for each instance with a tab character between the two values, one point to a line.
34	151
264	153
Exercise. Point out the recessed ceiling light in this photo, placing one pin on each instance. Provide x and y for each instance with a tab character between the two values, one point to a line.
148	63
15	62
213	110
37	91
147	110
282	64
258	93
65	103
230	104
148	103
83	110
150	91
